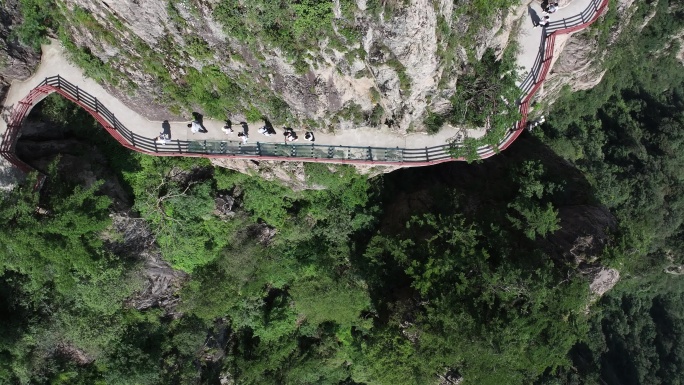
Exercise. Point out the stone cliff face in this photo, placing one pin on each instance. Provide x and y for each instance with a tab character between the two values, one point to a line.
399	61
16	61
395	64
579	58
290	174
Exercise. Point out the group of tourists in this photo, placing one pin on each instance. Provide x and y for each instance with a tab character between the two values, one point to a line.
267	129
291	136
548	9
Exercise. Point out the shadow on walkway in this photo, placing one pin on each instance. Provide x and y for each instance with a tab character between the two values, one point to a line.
269	126
534	16
199	118
166	129
245	128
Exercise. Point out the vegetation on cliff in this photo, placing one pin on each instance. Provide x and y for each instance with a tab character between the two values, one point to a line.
626	136
416	277
339	294
270	53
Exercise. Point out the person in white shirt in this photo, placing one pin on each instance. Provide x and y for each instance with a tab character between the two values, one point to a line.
551	8
195	127
543	22
162	138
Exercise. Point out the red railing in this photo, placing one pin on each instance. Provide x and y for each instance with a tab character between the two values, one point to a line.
408	158
565	26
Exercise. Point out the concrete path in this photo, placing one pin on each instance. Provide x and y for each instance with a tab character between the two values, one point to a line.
54	62
530	38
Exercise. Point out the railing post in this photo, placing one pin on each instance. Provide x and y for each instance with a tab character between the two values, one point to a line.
78	95
59	81
331	152
427	155
180	150
133	139
155	146
313	150
258	148
370	153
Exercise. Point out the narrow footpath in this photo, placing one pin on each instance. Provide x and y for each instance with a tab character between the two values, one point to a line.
534	57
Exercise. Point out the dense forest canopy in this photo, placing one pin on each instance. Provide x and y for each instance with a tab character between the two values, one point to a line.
422	276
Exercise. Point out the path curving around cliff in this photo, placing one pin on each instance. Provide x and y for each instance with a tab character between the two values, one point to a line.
360	146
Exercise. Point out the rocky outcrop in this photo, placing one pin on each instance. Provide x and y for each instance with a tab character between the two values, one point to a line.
579	56
9	175
680	54
583	234
72	353
16	60
603	280
290	174
134	240
576	66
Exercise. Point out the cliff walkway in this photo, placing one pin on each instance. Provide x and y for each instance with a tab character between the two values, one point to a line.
135	132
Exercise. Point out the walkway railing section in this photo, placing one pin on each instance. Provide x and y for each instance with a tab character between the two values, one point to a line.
226	148
298	152
542	64
579	21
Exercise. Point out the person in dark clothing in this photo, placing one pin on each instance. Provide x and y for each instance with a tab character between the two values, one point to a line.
228	127
290	135
309	136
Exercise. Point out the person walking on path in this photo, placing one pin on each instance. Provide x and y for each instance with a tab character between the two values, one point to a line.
162	138
195	127
309	136
165	133
290	135
228	127
543	22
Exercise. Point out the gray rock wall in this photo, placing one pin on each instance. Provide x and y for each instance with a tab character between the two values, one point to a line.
336	77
